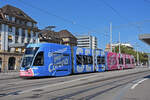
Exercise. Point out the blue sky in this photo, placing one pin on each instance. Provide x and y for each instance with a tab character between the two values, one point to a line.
129	17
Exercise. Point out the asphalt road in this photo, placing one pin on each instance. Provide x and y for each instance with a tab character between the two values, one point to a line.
131	84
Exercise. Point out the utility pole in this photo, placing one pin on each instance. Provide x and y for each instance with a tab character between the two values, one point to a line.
137	54
111	37
119	44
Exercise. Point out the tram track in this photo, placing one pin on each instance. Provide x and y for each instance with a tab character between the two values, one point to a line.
18	89
112	84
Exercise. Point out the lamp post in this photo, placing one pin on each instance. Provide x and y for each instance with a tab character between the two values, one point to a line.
137	54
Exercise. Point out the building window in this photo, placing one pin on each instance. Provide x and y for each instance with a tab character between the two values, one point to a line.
0	27
29	33
23	33
1	17
34	34
9	29
34	24
9	39
16	39
34	41
28	40
66	39
17	21
29	24
22	40
16	49
17	31
22	50
22	22
7	17
0	37
10	18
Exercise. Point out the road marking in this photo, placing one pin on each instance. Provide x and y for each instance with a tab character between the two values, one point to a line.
139	82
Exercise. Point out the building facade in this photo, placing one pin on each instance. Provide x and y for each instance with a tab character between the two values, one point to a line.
87	41
146	38
16	30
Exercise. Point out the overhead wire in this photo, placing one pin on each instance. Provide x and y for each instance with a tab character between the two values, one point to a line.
59	17
83	26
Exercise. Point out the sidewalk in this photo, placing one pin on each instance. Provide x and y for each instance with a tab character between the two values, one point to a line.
8	75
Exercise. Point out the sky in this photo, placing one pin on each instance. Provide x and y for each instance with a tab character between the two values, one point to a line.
129	17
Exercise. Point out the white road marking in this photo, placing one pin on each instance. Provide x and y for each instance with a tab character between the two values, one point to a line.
133	87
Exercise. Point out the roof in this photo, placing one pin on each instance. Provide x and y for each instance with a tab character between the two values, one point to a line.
145	38
49	35
65	33
16	12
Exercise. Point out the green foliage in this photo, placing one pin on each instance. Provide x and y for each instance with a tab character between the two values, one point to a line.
143	57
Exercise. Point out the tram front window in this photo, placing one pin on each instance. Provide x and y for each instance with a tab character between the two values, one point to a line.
28	56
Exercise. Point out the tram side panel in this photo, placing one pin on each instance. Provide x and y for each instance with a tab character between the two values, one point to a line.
49	60
59	60
120	61
111	60
99	60
83	60
132	61
129	61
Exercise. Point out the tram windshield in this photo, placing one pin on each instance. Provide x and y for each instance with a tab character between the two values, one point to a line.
28	56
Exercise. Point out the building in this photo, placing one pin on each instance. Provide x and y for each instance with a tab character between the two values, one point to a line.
67	38
16	30
145	38
62	37
108	48
87	41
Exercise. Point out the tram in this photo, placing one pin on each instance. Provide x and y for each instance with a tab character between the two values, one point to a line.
50	59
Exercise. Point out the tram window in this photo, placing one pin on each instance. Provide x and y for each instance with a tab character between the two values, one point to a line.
39	60
60	59
88	59
120	61
79	60
100	60
103	60
132	61
127	61
84	60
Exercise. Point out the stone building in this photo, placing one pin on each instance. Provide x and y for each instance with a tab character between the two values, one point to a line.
62	37
16	30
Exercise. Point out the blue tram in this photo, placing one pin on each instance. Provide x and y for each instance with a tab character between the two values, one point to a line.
49	59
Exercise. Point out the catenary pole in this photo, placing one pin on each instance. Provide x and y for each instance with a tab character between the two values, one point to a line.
111	37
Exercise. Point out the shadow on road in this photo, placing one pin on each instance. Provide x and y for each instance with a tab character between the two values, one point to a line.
147	76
